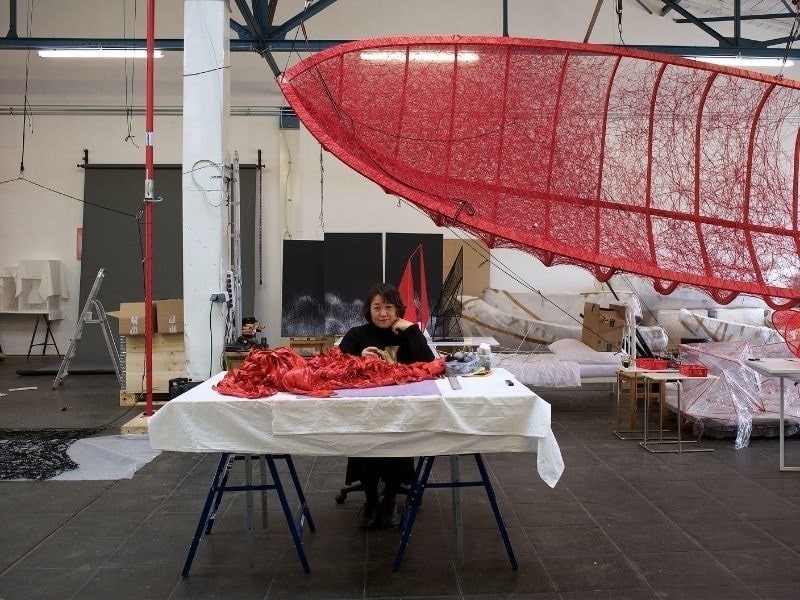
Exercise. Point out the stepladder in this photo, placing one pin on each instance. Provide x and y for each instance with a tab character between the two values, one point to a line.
92	313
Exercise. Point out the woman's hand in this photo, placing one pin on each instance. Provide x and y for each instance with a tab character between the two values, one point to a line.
401	325
371	351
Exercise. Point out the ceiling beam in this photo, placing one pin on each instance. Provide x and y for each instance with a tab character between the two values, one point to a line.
12	19
298	19
753	51
167	45
767	17
249	19
673	4
176	45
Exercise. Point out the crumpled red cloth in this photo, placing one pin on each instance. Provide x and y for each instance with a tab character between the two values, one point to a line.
266	372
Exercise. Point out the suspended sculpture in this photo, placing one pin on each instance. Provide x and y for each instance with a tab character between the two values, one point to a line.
787	323
599	156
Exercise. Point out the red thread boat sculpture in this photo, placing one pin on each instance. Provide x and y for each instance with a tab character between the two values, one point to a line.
599	156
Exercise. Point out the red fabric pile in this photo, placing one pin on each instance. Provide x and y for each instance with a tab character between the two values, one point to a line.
266	372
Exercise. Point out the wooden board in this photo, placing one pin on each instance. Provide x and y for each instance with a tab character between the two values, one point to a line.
161	341
137	424
169	361
127	398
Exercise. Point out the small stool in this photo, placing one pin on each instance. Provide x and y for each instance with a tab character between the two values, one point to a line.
631	389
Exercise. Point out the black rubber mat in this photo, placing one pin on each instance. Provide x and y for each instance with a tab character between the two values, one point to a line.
75	368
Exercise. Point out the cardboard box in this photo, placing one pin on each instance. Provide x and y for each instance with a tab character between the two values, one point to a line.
131	318
603	328
169	315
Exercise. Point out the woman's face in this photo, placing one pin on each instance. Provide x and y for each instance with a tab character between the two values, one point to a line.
383	314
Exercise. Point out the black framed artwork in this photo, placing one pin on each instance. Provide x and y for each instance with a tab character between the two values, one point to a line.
303	296
353	262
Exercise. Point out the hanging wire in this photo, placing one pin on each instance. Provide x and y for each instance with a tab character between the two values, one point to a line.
618	11
287	197
49	189
321	190
129	82
293	49
27	120
259	170
793	33
486	254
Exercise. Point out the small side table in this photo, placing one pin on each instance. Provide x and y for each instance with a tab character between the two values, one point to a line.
675	445
632	387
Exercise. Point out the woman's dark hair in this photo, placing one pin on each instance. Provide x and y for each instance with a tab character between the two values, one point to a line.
389	294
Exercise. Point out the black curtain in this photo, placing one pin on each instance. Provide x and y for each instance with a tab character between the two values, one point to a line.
113	240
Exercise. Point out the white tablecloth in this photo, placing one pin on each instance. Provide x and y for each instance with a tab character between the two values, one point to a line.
487	415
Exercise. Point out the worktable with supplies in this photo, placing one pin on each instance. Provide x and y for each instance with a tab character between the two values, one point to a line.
492	413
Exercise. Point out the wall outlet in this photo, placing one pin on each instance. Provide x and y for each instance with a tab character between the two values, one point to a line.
221	297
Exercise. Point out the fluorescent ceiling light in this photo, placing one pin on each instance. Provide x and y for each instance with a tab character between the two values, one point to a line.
430	56
744	61
98	53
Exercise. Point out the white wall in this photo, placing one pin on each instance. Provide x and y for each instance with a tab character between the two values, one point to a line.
35	223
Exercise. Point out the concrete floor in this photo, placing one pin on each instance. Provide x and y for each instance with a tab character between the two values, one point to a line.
621	524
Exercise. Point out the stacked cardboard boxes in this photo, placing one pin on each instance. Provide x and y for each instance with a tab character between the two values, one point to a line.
169	358
603	328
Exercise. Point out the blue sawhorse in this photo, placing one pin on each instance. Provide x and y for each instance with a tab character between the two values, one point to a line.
219	487
415	500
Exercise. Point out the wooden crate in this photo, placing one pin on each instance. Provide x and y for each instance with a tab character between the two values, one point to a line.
309	346
234	360
127	398
169	361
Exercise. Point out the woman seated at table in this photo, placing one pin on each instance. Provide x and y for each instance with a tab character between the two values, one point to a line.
385	327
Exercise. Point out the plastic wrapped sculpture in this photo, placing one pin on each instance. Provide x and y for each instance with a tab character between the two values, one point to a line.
739	401
599	156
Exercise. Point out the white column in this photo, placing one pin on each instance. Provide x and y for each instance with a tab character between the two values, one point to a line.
205	115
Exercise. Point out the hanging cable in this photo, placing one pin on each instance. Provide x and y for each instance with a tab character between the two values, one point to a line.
793	33
618	10
129	82
26	104
287	197
321	191
259	169
49	189
487	256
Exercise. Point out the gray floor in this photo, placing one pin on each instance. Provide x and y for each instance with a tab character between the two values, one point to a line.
621	524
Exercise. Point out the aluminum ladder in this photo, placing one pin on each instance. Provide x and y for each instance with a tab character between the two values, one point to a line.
93	312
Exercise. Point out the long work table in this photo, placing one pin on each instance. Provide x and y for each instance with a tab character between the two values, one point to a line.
489	414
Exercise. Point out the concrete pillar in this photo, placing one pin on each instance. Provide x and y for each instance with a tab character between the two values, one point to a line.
205	119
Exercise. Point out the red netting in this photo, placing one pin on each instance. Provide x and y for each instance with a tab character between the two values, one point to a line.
600	156
787	323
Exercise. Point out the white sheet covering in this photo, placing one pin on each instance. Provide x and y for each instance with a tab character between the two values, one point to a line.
108	457
541	370
487	415
50	276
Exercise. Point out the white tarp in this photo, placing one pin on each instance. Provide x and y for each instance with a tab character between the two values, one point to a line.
495	413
